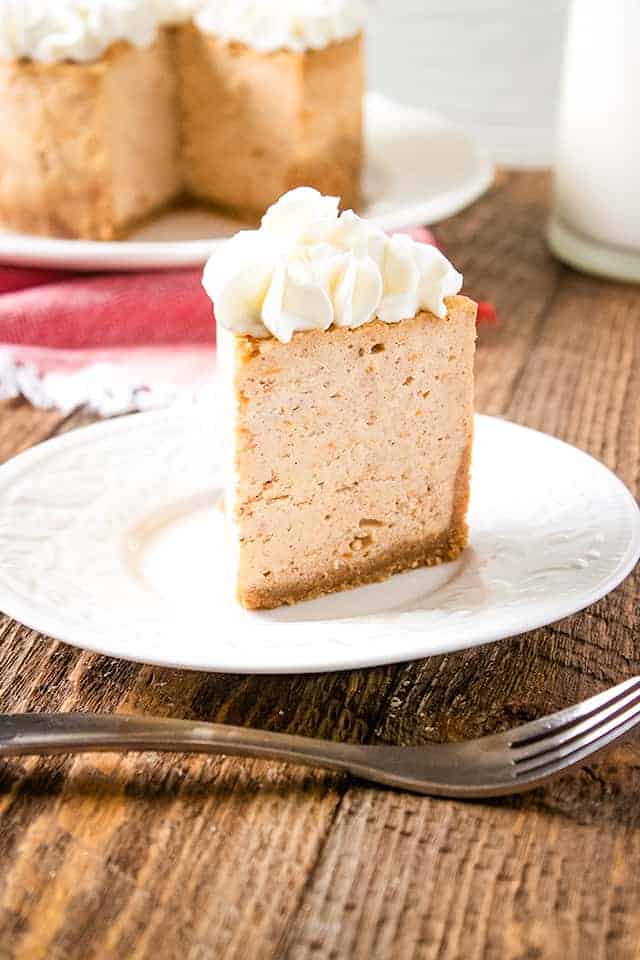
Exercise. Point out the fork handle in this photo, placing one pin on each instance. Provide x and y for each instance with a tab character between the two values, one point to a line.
46	734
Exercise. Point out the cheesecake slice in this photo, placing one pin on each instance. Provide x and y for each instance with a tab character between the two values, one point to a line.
347	363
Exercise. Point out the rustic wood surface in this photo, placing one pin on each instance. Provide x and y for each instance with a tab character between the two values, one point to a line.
166	857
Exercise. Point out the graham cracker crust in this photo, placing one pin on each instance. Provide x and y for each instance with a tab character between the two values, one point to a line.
441	549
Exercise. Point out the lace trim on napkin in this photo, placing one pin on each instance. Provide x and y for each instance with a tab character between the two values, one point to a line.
107	387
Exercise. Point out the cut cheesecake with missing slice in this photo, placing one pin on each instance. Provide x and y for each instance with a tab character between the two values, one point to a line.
347	363
111	112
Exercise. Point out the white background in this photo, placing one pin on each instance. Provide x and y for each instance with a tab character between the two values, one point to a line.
493	65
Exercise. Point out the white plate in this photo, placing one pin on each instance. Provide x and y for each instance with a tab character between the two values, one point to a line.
420	169
110	539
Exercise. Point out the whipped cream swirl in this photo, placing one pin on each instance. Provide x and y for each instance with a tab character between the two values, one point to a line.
268	25
81	30
308	268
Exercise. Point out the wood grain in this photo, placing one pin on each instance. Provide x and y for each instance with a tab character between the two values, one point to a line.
190	858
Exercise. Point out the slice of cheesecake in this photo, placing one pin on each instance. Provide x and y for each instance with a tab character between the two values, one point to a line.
89	149
347	363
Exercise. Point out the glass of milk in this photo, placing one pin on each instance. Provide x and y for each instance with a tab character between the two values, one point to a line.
595	225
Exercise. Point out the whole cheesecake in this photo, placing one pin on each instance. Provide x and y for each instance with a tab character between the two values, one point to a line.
112	110
347	363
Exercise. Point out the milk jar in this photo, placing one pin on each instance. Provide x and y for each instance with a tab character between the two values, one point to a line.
595	224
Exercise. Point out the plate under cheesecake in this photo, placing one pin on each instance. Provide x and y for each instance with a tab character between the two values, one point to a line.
341	442
111	540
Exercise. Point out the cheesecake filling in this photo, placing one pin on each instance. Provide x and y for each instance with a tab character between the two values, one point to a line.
82	30
310	268
346	453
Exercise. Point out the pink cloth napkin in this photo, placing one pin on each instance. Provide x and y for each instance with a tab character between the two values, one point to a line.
114	342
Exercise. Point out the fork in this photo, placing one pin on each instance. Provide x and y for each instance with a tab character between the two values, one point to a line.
501	763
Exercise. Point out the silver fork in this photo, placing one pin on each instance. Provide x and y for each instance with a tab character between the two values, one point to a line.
502	763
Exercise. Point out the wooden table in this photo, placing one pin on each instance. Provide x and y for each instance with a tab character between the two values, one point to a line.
168	857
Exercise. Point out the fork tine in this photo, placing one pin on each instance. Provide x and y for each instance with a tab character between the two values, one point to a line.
568	732
519	737
591	742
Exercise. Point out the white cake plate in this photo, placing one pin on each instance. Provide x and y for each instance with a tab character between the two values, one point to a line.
420	169
111	540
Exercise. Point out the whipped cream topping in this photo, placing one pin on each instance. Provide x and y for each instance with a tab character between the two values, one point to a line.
309	268
268	25
81	30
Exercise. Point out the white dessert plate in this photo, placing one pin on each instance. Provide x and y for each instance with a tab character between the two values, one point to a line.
111	539
420	169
